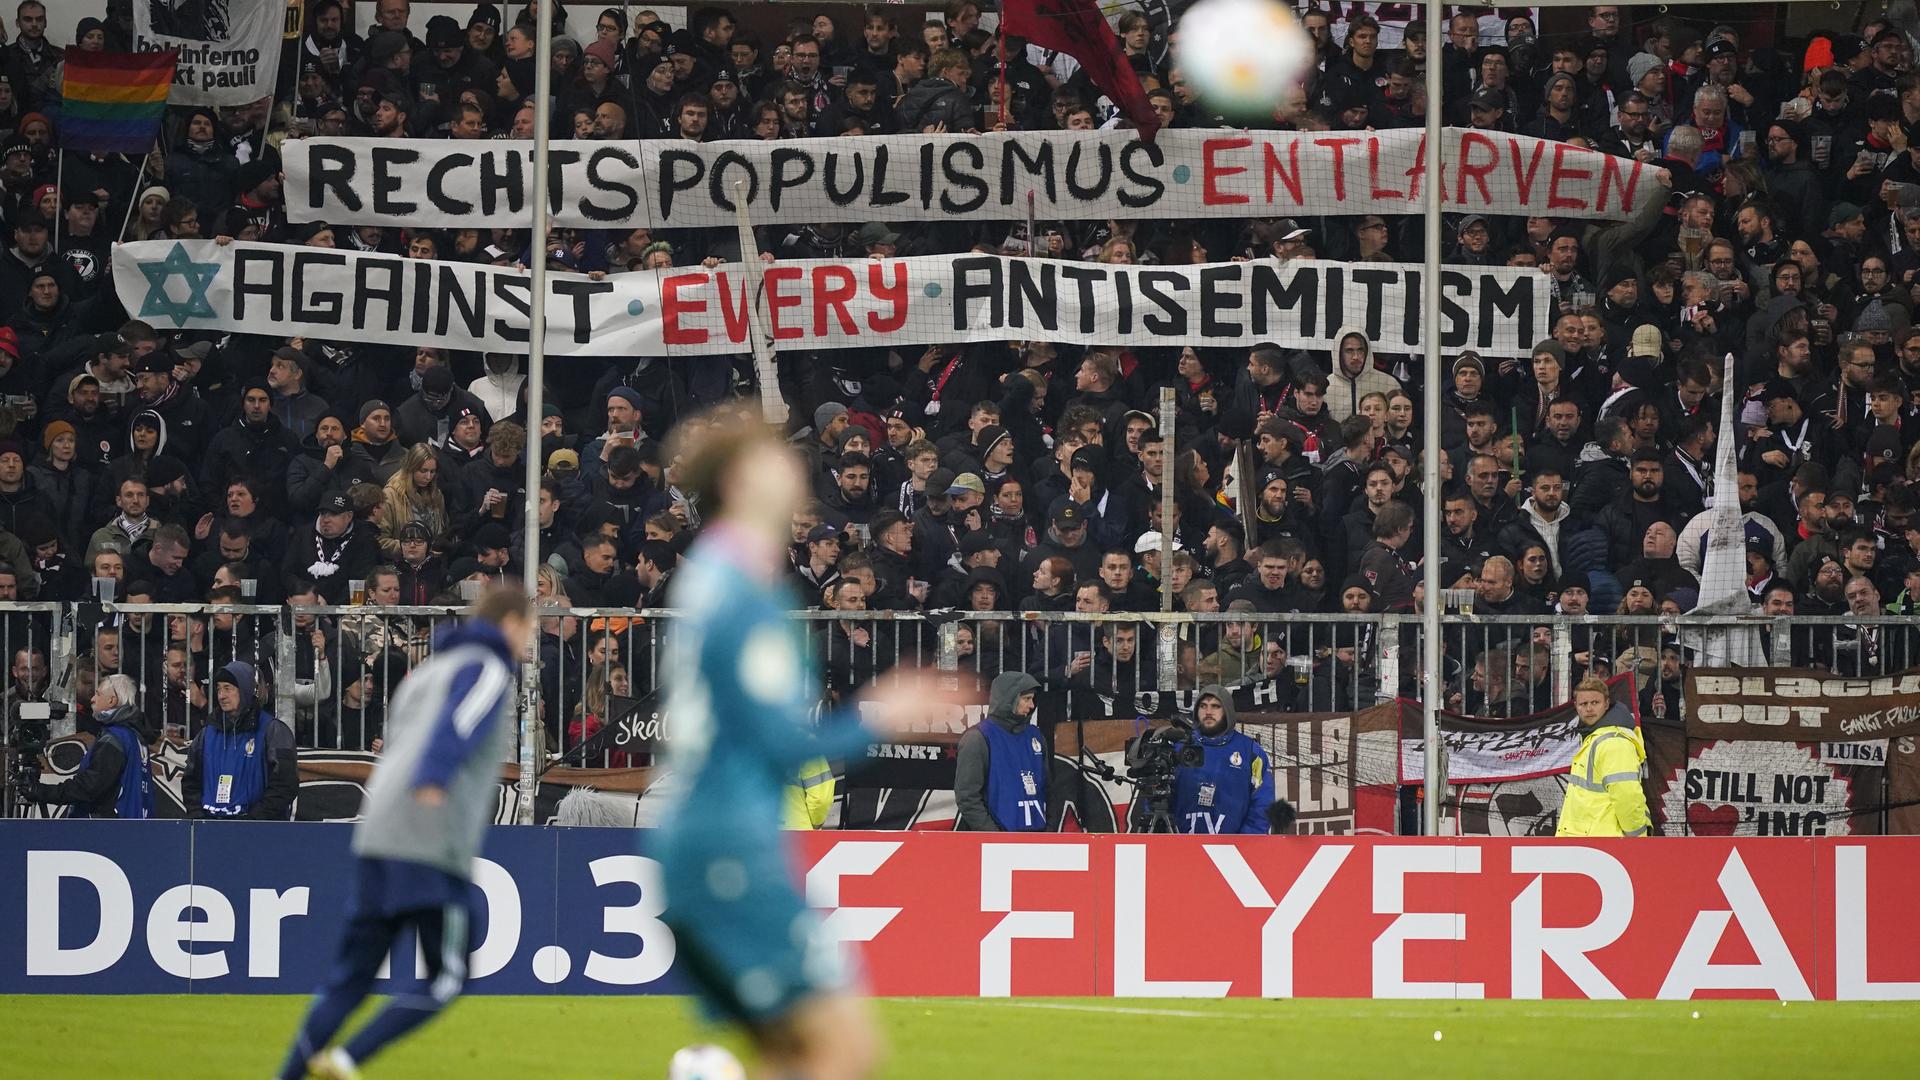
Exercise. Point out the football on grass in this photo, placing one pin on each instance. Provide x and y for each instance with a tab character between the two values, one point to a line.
705	1061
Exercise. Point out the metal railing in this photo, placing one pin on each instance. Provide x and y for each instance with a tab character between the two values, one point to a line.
329	670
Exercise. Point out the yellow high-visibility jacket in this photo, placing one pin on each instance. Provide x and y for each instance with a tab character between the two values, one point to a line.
809	799
1604	793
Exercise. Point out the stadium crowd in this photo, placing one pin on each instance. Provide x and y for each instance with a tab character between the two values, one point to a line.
989	477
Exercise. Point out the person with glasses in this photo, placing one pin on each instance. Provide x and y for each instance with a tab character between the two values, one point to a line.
1632	134
1872	282
1799	196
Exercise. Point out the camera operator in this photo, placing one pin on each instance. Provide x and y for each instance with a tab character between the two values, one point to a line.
1230	791
114	780
1000	779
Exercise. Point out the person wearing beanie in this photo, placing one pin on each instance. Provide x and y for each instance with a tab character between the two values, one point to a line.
1620	311
1559	115
376	453
324	466
446	68
256	447
1798	196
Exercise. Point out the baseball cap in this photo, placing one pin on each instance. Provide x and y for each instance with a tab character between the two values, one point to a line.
940	482
336	504
1488	98
491	537
1288	229
875	232
967	481
822	532
563	460
1067	514
1150	541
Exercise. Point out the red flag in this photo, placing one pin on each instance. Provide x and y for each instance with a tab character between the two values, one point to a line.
1077	28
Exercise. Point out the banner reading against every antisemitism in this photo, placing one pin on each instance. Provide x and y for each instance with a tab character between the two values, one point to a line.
326	293
229	49
1186	173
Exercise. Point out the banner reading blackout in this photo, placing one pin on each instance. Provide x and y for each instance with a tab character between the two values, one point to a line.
1186	173
282	290
1766	754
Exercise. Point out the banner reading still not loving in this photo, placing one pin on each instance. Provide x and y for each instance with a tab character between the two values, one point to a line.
1186	174
324	293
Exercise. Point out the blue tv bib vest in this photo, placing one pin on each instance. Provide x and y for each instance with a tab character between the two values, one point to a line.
135	801
1016	777
233	771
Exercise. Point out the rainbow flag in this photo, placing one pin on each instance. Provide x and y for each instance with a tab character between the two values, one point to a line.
111	103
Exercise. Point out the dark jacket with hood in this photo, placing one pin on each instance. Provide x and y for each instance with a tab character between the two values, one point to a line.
1232	788
309	480
970	770
95	791
260	452
282	760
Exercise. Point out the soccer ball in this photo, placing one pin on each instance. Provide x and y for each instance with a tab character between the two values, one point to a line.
705	1061
1244	56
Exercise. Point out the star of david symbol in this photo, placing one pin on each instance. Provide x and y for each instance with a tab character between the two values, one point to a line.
198	276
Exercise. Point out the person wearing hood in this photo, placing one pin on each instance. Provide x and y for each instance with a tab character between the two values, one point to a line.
257	447
113	780
1542	515
1230	791
1604	794
429	416
1000	777
242	764
185	421
499	389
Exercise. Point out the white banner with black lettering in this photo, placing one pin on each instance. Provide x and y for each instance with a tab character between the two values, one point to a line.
1070	175
229	49
283	290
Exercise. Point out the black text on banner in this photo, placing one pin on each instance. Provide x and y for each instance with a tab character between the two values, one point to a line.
1186	173
325	293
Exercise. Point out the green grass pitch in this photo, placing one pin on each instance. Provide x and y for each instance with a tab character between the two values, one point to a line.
209	1037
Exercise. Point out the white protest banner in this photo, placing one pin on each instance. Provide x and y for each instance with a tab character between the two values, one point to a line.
326	293
1073	175
229	49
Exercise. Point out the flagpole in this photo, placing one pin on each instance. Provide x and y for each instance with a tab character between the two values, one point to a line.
59	195
133	203
1433	686
536	389
1000	34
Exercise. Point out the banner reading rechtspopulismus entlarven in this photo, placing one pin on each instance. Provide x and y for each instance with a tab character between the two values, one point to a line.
1050	175
326	293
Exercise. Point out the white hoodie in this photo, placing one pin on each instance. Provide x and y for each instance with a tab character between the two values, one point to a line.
1548	528
1344	393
